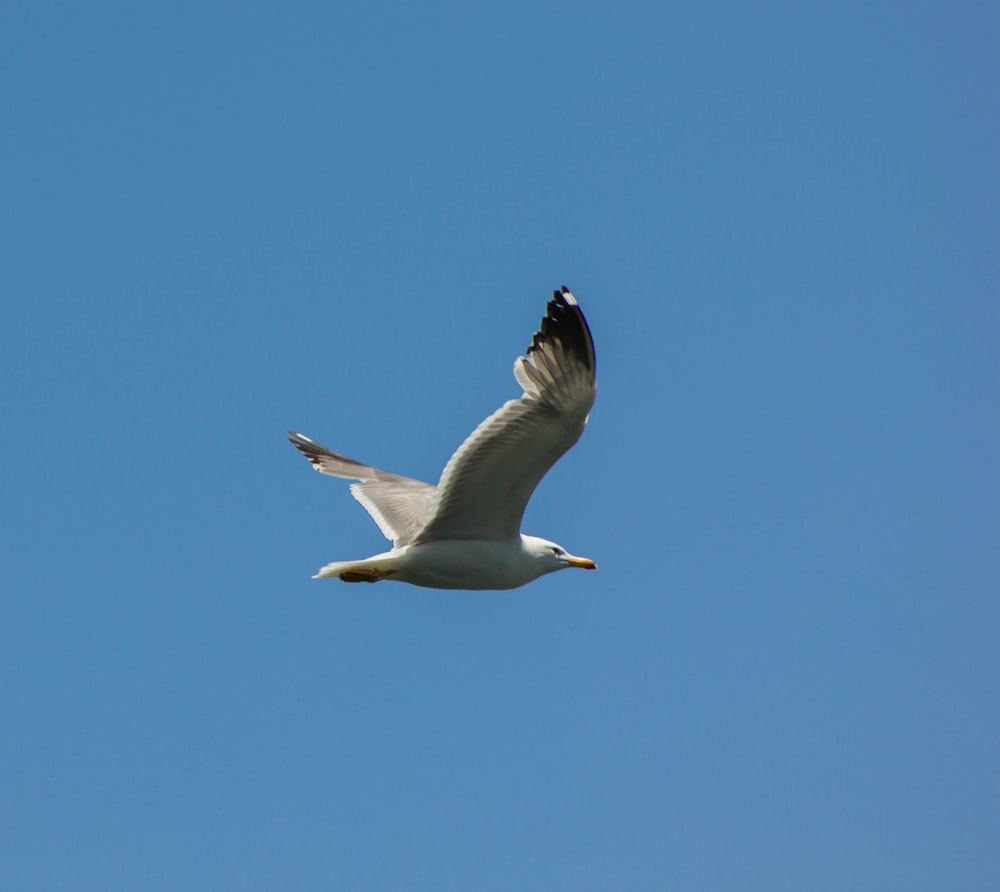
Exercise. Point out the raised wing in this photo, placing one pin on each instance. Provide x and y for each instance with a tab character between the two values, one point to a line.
486	484
399	505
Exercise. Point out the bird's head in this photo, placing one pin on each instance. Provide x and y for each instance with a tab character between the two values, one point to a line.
554	557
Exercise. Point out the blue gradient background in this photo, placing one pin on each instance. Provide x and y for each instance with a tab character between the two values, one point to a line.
222	221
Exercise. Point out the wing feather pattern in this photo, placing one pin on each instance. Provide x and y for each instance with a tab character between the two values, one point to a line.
399	505
486	484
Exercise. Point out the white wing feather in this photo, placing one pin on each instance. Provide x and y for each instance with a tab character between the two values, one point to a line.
487	483
397	504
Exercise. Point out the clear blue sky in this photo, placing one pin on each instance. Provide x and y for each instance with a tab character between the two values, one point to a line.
224	220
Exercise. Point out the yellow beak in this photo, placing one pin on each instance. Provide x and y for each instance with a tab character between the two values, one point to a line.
582	563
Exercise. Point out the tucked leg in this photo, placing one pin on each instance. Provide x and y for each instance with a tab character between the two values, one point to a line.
361	574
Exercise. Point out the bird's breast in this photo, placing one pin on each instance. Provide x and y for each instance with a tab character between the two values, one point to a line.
474	564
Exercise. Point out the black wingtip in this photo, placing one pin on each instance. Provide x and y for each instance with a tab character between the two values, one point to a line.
563	296
564	321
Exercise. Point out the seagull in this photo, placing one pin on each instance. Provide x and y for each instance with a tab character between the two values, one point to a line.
465	533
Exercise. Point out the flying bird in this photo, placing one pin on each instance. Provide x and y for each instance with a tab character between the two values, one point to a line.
465	533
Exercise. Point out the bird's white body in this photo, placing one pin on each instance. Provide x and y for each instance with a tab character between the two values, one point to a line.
472	564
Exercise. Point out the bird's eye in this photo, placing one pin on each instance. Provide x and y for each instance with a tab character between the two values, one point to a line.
558	552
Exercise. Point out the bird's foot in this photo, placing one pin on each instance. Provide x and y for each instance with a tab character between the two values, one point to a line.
361	574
